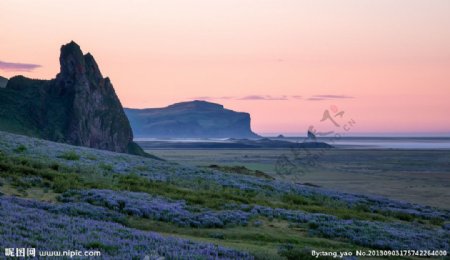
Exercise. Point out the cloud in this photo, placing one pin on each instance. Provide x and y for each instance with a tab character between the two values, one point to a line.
250	97
322	97
226	97
202	98
316	99
211	98
270	97
266	97
12	66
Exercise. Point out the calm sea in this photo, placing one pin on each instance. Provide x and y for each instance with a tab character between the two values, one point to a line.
384	142
345	142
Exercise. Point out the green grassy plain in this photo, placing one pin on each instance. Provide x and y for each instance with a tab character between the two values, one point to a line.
419	176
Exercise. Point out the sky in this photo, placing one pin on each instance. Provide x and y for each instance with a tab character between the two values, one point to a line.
384	63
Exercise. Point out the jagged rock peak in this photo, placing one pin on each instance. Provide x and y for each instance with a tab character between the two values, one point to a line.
91	66
78	107
71	60
74	65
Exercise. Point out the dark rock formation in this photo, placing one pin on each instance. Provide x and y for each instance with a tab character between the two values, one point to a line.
96	117
195	119
311	136
78	107
3	82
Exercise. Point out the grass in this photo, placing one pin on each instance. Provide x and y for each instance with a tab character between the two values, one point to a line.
213	198
53	176
91	157
240	170
272	240
418	176
106	167
20	149
49	179
38	193
70	156
60	179
263	241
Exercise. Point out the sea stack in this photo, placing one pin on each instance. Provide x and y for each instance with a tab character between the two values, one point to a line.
95	118
78	107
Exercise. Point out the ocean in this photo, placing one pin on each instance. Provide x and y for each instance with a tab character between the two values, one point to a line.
382	142
345	142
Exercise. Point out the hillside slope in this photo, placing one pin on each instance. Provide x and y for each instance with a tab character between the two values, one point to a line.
103	200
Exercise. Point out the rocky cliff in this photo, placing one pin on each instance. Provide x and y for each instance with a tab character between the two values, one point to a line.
195	119
78	107
3	82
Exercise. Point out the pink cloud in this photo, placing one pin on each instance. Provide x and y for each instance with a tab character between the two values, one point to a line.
14	66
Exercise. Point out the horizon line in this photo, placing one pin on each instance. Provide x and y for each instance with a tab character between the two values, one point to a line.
362	134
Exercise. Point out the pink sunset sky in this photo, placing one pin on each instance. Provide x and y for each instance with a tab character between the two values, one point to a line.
386	63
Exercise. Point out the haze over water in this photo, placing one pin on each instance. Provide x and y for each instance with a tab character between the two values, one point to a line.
342	142
390	142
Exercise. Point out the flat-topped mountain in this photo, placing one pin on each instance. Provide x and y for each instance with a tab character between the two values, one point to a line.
78	107
193	119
